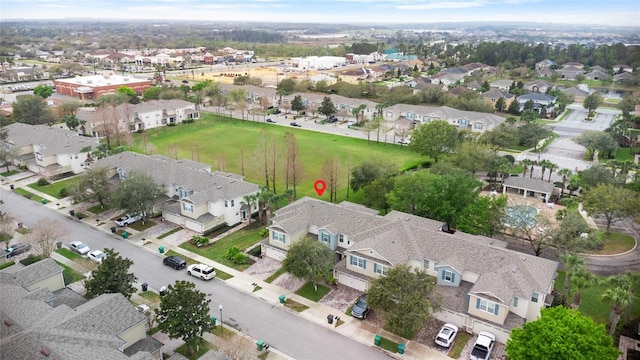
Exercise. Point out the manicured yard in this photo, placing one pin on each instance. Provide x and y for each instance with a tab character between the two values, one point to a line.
616	243
29	195
70	275
54	188
98	209
295	306
625	154
151	296
139	226
9	173
461	340
219	140
307	291
172	231
275	275
242	239
70	254
197	351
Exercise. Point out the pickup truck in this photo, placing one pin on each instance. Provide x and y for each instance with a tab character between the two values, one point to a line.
483	346
128	219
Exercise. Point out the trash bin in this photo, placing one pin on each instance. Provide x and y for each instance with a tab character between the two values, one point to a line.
260	345
72	212
79	216
11	187
213	320
124	234
377	340
163	290
161	249
144	286
330	319
113	229
282	299
400	348
43	201
59	244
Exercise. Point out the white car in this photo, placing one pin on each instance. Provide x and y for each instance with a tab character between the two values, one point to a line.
201	271
128	219
97	256
404	141
79	247
446	335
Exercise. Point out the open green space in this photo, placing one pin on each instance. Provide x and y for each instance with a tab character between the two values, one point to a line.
615	243
70	254
53	189
29	195
70	275
307	291
233	144
217	251
139	226
623	154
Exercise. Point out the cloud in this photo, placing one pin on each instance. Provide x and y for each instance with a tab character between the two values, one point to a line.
443	5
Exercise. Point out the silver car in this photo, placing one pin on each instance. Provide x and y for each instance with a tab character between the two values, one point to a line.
79	247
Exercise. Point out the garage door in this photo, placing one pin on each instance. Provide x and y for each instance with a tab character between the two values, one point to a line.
352	281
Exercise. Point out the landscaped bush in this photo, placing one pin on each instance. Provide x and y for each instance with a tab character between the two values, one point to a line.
264	233
31	259
256	250
63	192
200	240
240	258
7	264
171	124
232	252
568	202
43	182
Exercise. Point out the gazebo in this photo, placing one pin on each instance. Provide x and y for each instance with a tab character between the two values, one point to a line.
528	187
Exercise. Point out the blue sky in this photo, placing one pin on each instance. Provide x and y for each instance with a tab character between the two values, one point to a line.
608	12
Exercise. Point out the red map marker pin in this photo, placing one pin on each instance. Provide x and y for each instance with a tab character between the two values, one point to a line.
320	186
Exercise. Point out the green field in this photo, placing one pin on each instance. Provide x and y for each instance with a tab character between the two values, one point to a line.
54	188
216	140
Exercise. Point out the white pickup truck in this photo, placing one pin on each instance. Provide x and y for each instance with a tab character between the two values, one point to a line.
128	219
483	346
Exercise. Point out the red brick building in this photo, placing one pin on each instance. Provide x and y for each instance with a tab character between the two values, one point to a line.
92	87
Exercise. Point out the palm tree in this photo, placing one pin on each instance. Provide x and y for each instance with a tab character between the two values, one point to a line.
525	164
619	297
572	265
574	183
250	200
551	166
565	173
544	164
580	280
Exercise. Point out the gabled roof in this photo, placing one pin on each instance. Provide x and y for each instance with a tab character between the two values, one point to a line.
26	276
574	91
496	94
538	83
529	183
502	83
54	140
206	186
536	97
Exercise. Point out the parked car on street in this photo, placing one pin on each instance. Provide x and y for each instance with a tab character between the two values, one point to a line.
16	249
175	262
128	219
483	346
446	335
271	121
97	256
295	124
202	271
404	141
361	309
79	247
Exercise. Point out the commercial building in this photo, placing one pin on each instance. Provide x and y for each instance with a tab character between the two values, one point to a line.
92	87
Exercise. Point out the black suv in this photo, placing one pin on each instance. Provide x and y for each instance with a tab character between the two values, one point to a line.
175	262
17	248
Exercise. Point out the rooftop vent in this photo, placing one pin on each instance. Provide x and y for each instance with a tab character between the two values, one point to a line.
8	322
45	351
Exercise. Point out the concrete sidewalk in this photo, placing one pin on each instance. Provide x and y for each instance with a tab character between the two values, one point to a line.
316	312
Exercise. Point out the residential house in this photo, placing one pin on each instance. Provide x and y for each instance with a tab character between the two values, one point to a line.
503	85
570	72
578	94
194	197
470	120
545	73
598	68
494	94
448	78
539	86
475	85
40	318
623	76
483	284
545	64
48	151
597	75
541	102
573	64
622	68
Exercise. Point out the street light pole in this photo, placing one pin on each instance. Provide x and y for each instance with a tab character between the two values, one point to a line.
221	326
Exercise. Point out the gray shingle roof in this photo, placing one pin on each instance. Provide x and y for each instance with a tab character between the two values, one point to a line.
55	140
529	184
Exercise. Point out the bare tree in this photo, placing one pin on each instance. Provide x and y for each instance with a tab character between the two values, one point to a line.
263	154
45	235
293	169
536	229
7	227
331	175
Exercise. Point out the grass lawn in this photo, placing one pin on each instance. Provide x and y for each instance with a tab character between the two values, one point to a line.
172	231
98	209
70	254
139	226
189	260
198	351
616	243
242	239
9	173
227	141
307	291
461	340
29	195
274	276
54	188
151	296
623	154
295	306
70	275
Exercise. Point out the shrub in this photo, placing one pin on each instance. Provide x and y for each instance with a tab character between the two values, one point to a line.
42	182
561	214
510	158
568	202
171	124
63	192
232	252
140	131
31	259
240	258
263	233
256	250
7	264
200	240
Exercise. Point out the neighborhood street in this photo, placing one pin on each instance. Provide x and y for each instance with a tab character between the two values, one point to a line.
282	329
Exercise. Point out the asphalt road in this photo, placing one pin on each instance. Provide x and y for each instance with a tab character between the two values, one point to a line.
259	319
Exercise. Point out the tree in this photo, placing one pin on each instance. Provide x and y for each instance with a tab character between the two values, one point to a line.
529	116
561	333
619	293
93	184
309	260
592	102
296	104
367	172
375	193
404	296
331	174
472	156
293	170
184	313
572	265
408	192
514	108
596	140
434	139
44	91
285	87
152	93
327	108
565	173
126	91
44	236
522	222
70	107
238	98
7	154
527	164
32	110
500	104
7	227
112	276
136	193
612	202
483	216
71	121
250	200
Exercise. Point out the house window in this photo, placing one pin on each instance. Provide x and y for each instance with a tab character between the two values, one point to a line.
358	262
448	276
38	157
463	122
232	204
226	203
182	193
487	306
187	207
380	269
478	126
426	264
325	238
277	236
515	301
534	297
341	238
